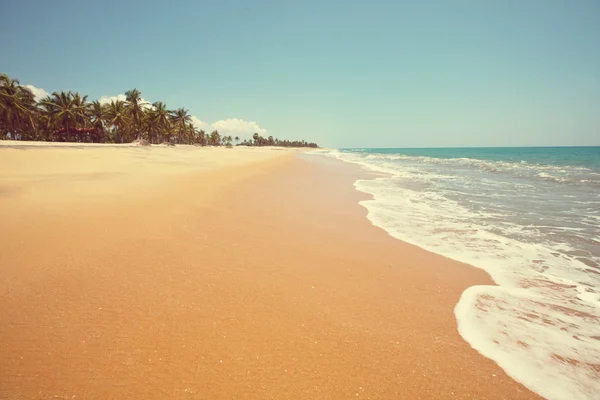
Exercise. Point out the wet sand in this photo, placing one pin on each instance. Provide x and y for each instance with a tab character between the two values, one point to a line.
216	274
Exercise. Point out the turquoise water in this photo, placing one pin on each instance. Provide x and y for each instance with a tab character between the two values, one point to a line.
528	216
588	157
551	194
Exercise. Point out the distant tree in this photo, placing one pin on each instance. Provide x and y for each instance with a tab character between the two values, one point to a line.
66	111
97	114
192	134
214	138
202	137
158	122
135	108
117	120
180	120
17	110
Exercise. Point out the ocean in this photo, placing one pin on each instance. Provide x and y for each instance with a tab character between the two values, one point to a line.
528	216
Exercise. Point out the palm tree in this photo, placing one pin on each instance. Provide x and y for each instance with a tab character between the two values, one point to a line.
97	113
67	111
202	137
9	104
237	140
17	110
158	121
214	138
117	119
67	116
181	119
135	108
191	133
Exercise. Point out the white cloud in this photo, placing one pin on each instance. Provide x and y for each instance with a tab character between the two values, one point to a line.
38	93
200	124
233	126
108	99
121	97
236	126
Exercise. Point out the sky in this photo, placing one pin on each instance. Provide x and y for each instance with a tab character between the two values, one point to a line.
350	73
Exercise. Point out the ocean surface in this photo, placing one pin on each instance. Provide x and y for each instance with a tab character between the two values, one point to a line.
530	217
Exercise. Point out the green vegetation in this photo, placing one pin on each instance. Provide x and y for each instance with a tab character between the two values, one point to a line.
258	140
69	117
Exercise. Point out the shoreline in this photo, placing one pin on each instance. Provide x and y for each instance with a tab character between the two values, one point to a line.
256	279
538	320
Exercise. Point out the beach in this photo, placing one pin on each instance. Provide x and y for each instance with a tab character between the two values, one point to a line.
212	273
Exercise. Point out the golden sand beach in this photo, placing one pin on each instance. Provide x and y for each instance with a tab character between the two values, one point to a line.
209	273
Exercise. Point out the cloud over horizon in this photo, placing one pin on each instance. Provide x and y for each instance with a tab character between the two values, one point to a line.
109	99
38	93
237	126
232	126
199	124
121	97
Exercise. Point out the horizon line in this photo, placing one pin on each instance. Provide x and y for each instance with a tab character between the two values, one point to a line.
469	147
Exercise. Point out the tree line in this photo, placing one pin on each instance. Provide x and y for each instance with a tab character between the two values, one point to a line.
258	140
70	117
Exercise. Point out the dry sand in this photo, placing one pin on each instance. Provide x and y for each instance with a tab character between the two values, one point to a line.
187	273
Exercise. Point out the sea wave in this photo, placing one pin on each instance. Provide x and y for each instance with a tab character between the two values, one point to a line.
553	178
540	324
557	173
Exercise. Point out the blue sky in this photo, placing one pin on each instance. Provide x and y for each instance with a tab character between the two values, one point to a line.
341	73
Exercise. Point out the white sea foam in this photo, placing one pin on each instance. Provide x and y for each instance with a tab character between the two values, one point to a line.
547	176
542	323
